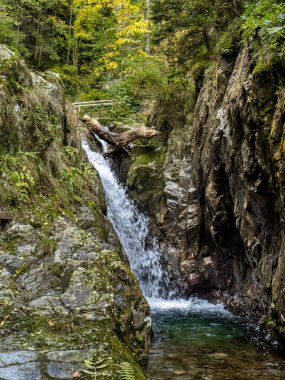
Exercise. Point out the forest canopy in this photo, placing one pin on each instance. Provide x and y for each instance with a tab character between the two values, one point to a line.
137	49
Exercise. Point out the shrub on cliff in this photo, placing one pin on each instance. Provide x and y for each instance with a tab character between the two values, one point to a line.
264	25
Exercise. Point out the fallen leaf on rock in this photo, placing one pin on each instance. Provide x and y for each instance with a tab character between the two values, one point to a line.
179	372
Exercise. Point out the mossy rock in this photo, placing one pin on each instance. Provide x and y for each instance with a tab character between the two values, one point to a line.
146	181
71	288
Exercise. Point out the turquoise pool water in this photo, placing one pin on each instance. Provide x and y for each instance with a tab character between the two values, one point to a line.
197	340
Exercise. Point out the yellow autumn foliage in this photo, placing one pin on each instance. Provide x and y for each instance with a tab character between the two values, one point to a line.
128	31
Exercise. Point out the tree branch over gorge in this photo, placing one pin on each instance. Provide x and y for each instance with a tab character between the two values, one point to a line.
119	141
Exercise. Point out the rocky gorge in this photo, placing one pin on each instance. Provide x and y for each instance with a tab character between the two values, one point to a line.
212	183
215	189
142	182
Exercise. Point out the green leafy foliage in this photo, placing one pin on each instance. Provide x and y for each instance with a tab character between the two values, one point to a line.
265	19
127	371
44	188
188	30
144	77
94	367
9	34
18	176
230	40
134	54
87	42
264	25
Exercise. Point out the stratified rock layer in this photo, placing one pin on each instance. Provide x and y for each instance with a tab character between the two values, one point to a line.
231	215
223	214
66	290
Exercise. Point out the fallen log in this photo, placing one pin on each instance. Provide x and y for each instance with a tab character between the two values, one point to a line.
119	140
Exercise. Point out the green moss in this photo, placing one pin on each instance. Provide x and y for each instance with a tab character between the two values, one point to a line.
97	209
46	176
7	245
40	127
46	246
145	154
23	268
139	338
267	322
145	179
145	159
229	41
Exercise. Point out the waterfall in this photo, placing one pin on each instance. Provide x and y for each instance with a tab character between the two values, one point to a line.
131	227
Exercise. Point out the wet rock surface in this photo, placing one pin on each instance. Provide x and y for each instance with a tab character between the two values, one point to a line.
145	179
222	215
239	189
18	365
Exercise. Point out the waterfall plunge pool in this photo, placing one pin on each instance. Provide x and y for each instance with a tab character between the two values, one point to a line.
197	340
192	339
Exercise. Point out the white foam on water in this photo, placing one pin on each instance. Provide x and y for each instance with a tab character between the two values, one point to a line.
192	304
103	143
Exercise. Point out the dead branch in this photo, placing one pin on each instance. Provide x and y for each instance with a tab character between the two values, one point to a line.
119	140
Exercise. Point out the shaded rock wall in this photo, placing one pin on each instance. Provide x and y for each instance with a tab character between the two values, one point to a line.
230	213
223	212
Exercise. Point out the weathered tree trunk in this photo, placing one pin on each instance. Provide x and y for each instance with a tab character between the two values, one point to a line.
119	140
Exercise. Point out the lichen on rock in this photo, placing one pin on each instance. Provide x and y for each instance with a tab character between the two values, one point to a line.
66	290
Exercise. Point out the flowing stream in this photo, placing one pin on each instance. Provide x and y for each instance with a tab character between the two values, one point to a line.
132	229
193	339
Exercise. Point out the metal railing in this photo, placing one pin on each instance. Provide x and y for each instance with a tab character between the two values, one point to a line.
93	103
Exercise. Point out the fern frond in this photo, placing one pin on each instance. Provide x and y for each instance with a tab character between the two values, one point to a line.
127	371
102	366
88	372
89	364
94	366
100	362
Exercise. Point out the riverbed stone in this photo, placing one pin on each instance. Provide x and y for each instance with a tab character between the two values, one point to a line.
11	262
70	298
18	357
62	364
29	371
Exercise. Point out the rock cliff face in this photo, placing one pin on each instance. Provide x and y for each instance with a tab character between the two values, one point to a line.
223	212
66	291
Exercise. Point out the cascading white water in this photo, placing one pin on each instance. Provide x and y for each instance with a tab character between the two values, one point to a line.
131	227
190	331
